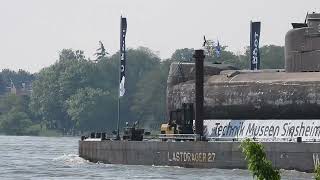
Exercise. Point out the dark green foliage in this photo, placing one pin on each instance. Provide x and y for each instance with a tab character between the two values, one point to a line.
92	109
184	55
226	57
140	63
46	99
16	116
317	172
17	78
55	84
149	100
19	103
258	164
76	93
272	57
15	122
101	52
2	84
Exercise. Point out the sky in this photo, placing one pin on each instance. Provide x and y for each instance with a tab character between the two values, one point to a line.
33	32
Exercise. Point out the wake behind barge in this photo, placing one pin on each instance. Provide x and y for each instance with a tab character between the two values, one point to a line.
280	108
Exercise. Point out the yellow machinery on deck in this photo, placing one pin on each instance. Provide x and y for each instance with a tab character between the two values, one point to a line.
180	123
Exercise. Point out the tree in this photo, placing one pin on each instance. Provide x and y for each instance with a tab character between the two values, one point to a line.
149	102
55	84
16	116
17	78
185	55
101	52
139	63
60	89
15	122
224	57
257	161
272	57
317	172
92	109
2	85
46	100
12	101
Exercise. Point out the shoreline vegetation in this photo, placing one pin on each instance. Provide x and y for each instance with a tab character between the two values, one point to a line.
260	167
258	164
78	94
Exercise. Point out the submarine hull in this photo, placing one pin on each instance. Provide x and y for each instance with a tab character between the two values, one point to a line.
254	95
226	155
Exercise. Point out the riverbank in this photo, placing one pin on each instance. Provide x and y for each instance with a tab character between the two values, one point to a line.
41	133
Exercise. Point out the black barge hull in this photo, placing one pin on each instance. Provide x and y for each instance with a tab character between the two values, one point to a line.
226	155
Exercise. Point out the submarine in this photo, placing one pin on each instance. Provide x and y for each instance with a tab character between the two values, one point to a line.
214	107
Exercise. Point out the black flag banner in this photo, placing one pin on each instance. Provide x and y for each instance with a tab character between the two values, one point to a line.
254	45
123	31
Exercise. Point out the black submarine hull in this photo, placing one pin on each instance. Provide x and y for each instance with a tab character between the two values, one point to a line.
225	155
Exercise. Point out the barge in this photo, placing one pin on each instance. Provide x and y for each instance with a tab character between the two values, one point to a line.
279	108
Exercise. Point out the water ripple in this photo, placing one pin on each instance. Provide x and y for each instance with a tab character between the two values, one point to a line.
25	157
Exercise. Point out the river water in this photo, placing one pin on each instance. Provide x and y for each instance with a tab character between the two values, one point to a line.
26	157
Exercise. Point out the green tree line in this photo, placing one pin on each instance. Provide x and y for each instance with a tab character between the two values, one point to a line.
7	77
76	93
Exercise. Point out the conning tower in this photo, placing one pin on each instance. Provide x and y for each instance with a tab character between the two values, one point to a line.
302	46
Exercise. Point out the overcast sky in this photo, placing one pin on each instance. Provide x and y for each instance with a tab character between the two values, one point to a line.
32	32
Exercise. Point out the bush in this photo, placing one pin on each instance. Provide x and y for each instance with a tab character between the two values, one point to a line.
317	172
258	164
33	130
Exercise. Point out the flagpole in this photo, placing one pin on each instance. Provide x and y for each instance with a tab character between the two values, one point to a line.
118	122
122	68
250	54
